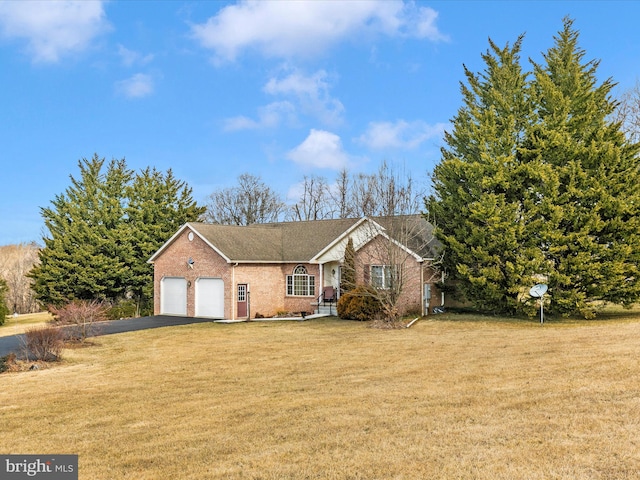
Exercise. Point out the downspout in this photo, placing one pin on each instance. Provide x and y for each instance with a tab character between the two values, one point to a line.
412	322
233	291
422	288
321	286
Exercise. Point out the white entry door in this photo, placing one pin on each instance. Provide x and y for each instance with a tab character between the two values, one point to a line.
210	297
173	296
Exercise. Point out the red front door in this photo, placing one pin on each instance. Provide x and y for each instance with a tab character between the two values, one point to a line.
242	300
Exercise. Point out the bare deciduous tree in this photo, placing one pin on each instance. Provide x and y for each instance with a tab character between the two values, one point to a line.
15	262
361	195
315	200
250	201
628	113
340	193
384	193
403	256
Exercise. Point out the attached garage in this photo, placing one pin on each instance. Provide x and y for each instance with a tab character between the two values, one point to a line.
173	296
210	297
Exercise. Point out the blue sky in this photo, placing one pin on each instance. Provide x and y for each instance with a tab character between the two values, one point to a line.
277	89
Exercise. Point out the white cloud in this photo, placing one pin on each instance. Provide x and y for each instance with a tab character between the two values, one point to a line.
269	116
311	93
243	123
295	192
298	84
137	86
131	57
291	29
421	23
303	95
53	29
399	135
321	149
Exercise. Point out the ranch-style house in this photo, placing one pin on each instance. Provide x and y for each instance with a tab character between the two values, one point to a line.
262	270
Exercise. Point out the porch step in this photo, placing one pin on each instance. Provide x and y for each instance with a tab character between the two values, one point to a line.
327	309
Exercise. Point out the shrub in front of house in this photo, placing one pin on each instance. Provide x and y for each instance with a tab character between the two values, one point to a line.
361	303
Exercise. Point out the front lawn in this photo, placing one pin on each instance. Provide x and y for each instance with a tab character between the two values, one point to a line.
15	325
328	399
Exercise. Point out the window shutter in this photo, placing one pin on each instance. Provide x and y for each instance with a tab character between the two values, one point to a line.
367	274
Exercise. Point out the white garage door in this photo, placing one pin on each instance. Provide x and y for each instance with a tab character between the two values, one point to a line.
173	296
210	297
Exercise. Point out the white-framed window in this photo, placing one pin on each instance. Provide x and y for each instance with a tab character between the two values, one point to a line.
242	292
384	276
300	283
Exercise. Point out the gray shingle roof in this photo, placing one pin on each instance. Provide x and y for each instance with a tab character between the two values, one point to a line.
296	241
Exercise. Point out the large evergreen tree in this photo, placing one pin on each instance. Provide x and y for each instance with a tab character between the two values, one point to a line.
104	228
478	206
84	256
158	205
592	244
534	181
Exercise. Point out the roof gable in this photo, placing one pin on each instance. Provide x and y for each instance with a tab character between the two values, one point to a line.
293	242
186	226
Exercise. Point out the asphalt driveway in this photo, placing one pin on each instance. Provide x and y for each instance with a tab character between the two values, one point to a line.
13	343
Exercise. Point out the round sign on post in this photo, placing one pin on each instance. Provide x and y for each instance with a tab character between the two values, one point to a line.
538	291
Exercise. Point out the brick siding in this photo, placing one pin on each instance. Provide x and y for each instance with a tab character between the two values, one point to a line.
206	263
267	282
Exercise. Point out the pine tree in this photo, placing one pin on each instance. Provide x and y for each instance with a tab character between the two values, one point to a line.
85	256
104	228
478	203
537	182
158	205
592	243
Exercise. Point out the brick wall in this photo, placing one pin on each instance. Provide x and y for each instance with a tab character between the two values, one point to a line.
380	251
267	283
268	288
206	263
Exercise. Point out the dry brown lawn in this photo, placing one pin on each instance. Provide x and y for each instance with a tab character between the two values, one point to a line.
327	399
16	325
